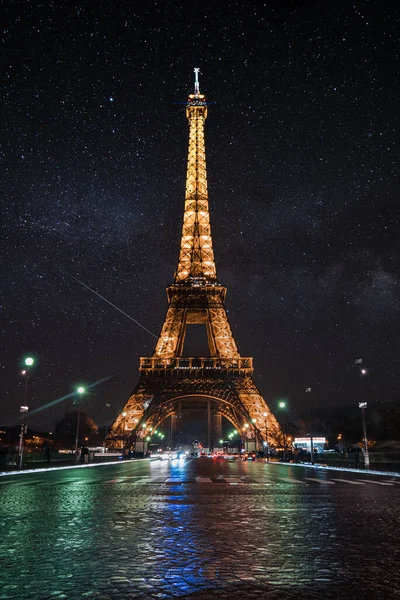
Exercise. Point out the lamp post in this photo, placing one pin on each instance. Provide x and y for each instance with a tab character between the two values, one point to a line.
22	410
245	436
363	406
266	434
81	390
282	405
28	362
308	391
254	421
124	440
106	428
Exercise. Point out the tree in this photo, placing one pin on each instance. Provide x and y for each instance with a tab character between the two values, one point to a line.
65	429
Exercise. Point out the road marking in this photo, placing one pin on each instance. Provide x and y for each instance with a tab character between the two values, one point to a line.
323	481
392	481
143	479
292	480
376	482
203	480
349	481
174	480
229	480
116	480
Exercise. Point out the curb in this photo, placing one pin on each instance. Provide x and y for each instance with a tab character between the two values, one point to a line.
65	467
328	468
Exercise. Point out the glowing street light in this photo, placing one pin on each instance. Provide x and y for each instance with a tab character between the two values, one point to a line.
282	404
28	362
80	390
363	406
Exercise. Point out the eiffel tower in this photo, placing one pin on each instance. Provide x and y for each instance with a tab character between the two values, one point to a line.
221	382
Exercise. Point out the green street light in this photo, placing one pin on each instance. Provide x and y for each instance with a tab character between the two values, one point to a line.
221	441
148	438
29	361
282	404
80	390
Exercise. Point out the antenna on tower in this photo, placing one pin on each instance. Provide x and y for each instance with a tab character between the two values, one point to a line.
196	81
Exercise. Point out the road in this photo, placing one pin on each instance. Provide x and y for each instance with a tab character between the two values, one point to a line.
201	529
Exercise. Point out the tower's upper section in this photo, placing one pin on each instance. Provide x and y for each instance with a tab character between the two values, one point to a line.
196	265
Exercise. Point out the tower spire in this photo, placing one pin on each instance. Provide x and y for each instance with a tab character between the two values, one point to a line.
196	81
196	258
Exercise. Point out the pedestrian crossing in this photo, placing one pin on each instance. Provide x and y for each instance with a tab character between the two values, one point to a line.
246	480
138	480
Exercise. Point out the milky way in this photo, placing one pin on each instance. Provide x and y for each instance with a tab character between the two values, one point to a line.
300	144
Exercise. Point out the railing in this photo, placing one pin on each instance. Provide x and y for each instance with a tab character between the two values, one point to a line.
155	363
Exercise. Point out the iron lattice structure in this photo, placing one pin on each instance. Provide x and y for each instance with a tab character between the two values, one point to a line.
196	297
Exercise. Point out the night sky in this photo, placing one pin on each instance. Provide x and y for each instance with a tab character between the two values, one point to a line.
300	143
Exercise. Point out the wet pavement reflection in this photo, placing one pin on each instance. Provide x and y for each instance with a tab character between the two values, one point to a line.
198	529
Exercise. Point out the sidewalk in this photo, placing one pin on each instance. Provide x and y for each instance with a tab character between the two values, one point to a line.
321	467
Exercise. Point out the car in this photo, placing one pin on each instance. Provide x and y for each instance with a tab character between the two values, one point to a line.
249	456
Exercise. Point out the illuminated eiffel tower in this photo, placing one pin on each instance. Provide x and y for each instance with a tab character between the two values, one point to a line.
222	382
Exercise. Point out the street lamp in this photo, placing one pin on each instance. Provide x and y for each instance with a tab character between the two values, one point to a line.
28	362
124	441
245	436
266	434
363	406
254	421
22	410
308	391
282	405
80	390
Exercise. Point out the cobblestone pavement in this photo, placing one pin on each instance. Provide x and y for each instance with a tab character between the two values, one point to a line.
199	529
